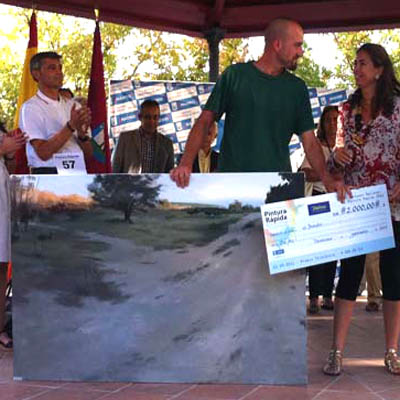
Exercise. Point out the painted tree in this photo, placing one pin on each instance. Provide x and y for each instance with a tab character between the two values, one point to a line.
126	193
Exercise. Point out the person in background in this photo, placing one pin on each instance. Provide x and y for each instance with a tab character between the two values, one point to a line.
368	153
53	123
207	159
144	150
9	144
66	93
372	281
321	277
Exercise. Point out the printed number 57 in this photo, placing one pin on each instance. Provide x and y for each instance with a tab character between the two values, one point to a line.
68	164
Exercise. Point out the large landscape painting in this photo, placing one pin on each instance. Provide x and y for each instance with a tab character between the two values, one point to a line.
128	278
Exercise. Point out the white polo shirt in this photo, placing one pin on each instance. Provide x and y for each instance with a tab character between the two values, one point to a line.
41	118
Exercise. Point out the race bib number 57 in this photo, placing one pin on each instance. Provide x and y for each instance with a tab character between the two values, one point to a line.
70	163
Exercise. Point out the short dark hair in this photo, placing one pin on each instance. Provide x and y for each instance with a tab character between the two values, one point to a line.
37	60
149	103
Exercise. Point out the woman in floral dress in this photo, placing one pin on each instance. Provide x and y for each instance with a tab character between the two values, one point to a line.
368	153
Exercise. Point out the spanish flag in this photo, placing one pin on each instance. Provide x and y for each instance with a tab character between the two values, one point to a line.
27	89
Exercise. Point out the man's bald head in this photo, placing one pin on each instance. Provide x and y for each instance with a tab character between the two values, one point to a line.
280	29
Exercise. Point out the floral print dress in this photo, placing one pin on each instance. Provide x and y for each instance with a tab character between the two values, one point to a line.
374	148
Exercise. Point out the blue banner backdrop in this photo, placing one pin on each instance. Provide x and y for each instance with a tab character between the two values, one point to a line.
181	104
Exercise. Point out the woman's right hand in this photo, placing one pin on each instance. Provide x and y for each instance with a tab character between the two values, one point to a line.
342	156
12	141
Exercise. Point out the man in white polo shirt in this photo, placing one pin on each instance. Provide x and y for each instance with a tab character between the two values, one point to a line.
56	127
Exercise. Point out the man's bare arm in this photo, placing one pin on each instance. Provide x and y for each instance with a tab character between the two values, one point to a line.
46	148
79	121
197	135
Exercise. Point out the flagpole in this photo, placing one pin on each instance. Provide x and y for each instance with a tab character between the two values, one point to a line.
28	88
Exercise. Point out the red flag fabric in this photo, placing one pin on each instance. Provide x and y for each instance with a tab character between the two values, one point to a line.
101	160
27	89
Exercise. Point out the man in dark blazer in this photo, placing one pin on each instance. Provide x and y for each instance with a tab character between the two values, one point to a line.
144	149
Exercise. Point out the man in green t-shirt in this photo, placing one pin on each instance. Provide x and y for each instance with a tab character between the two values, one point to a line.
264	105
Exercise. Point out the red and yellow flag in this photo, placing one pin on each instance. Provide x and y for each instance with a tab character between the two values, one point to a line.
27	89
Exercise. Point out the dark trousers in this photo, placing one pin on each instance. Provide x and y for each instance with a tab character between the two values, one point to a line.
321	279
352	269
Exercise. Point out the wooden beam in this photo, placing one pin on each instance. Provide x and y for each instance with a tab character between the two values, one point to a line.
215	15
315	16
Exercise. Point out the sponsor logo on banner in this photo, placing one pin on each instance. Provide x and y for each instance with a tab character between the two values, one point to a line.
165	108
331	98
179	85
124	108
121	86
186	114
127	118
203	89
159	98
167	129
149	91
181	94
183	125
165	119
120	98
184	104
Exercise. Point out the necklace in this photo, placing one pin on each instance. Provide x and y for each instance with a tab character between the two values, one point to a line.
358	124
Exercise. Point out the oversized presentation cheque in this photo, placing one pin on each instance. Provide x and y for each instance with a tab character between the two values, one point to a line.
314	230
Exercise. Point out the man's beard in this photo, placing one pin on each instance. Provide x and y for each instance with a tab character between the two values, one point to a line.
292	65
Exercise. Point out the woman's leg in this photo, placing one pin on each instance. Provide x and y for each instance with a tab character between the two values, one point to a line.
351	272
390	274
391	316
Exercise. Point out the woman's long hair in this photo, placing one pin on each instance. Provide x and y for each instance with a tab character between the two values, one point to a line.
321	133
387	86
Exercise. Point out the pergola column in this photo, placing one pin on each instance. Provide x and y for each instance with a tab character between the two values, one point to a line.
213	37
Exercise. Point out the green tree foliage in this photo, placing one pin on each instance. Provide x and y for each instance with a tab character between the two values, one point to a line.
349	42
126	193
177	58
68	36
312	74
